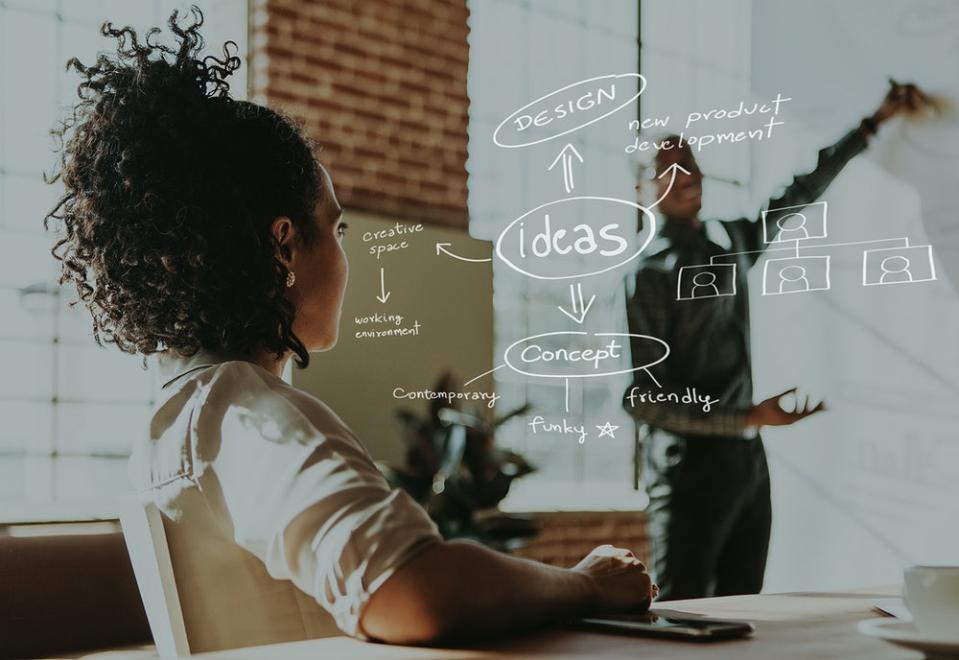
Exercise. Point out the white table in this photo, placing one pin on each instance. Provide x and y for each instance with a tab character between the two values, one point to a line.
797	625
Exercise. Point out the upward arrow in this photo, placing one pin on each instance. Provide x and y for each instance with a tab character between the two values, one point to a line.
566	156
671	171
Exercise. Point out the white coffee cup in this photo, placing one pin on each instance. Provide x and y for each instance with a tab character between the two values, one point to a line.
932	595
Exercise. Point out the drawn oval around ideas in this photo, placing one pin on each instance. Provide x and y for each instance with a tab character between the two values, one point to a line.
552	242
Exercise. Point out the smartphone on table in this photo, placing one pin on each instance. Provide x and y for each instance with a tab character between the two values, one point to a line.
651	624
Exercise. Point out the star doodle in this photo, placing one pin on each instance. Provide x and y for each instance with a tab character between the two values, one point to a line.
606	429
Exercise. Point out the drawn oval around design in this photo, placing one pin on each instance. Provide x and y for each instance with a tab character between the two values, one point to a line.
649	228
656	340
543	103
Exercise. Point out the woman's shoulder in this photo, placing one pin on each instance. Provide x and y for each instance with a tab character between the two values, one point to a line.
252	394
234	408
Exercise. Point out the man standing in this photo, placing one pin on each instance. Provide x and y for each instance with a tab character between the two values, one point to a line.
705	471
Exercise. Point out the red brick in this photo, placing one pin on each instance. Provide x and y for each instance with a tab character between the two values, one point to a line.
381	87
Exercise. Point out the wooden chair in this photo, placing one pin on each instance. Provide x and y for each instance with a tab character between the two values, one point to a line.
203	592
150	555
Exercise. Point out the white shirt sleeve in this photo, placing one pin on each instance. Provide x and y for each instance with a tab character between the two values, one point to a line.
300	492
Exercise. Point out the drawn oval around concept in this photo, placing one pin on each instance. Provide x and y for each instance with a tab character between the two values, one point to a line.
559	101
646	235
579	333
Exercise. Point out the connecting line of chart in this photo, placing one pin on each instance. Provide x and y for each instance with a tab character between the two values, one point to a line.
799	246
794	270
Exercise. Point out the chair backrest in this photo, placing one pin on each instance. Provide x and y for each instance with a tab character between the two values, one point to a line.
203	592
146	541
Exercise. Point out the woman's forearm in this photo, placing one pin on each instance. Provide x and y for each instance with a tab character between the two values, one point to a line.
459	590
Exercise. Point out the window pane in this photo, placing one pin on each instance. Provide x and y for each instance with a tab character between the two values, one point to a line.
27	372
550	45
100	374
27	120
100	428
25	427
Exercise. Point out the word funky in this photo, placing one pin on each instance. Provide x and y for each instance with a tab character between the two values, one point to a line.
539	424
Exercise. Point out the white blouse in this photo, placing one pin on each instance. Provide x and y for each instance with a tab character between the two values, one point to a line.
281	475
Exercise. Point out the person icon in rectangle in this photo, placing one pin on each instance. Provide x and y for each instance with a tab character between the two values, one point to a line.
895	269
792	279
898	265
706	281
795	275
792	227
794	223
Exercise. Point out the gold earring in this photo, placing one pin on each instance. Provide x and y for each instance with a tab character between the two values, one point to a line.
290	279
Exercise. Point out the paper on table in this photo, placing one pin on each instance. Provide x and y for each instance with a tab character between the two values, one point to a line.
893	607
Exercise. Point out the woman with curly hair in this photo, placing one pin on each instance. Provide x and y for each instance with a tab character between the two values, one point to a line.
202	229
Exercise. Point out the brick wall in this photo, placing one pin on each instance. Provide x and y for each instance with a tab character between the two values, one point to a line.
565	537
381	86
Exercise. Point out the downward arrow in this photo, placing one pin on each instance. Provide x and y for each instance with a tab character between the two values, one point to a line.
566	155
384	294
579	310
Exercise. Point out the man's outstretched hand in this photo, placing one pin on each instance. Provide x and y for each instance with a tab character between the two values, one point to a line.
901	98
771	413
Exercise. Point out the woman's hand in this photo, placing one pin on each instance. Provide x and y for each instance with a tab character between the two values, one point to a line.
620	579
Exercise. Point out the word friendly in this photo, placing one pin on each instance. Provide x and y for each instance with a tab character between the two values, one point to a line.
690	396
539	424
765	132
449	397
389	240
396	320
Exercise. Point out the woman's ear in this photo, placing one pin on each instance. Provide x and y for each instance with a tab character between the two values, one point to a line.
283	234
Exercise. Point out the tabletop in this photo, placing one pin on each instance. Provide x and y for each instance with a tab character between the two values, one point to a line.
792	625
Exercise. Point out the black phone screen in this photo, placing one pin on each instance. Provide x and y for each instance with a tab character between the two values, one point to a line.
655	625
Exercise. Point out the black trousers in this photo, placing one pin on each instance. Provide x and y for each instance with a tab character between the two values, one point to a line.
709	514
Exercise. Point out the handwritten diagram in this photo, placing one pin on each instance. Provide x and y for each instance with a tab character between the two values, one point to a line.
577	239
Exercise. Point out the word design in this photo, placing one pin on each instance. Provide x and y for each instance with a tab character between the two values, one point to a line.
568	109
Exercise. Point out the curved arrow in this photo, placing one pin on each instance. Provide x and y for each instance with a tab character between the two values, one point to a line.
441	247
671	170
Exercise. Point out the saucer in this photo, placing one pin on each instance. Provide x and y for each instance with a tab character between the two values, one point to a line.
904	633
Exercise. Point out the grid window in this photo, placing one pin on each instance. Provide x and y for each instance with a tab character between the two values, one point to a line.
519	51
522	50
70	409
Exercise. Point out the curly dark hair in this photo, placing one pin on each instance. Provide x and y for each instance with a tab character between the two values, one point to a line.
171	187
